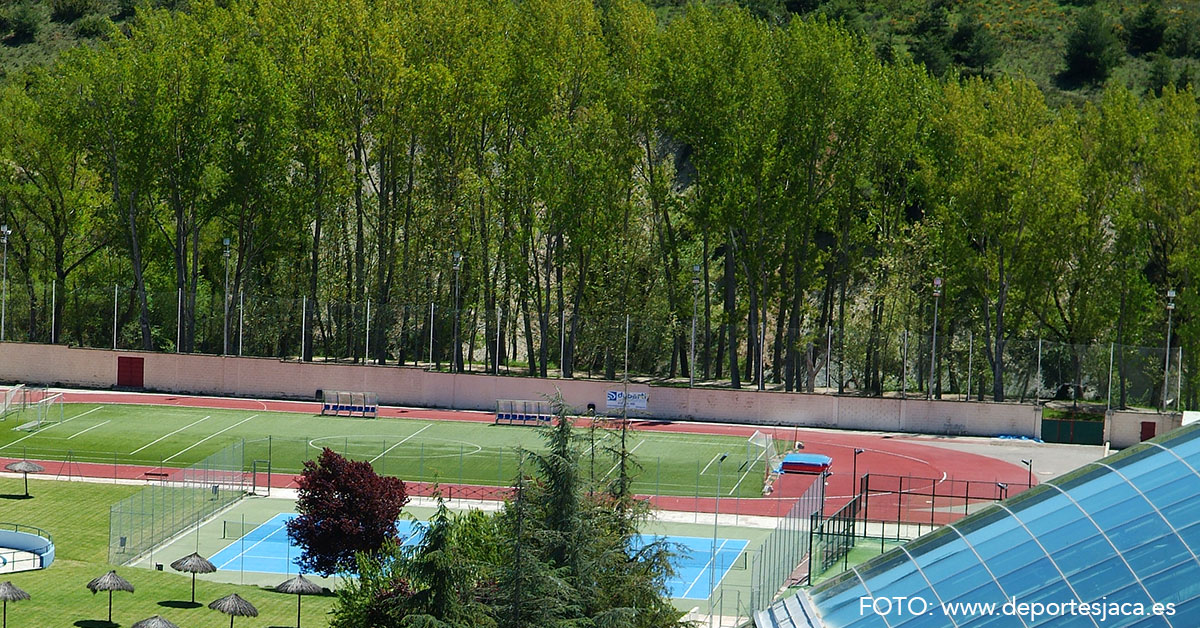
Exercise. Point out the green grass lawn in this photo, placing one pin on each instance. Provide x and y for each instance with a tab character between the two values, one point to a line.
462	452
76	514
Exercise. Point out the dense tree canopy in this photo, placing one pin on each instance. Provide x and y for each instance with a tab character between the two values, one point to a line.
505	182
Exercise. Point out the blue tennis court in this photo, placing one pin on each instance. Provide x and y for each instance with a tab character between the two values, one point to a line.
266	549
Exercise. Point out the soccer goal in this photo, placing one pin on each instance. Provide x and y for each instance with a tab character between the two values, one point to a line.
765	445
12	401
522	412
343	403
45	412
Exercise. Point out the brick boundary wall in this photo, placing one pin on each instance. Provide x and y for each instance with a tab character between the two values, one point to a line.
408	386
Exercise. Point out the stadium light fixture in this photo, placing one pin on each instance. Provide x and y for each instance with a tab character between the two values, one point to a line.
1029	463
937	292
695	297
1003	489
4	233
854	484
1167	349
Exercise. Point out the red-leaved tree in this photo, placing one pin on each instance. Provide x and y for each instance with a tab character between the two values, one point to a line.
345	507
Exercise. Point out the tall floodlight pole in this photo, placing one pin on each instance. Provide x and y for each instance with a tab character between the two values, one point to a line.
455	367
712	564
937	292
4	233
225	325
1028	462
1167	350
695	296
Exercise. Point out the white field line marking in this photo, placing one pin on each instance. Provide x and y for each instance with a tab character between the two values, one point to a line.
169	435
406	439
704	569
30	435
748	468
88	429
246	552
714	459
197	443
618	463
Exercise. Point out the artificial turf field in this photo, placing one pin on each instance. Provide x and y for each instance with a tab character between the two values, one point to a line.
461	452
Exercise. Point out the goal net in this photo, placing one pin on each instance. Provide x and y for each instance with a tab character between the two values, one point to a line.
12	400
767	452
43	412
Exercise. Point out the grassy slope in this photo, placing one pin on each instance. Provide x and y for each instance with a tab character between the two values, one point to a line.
672	464
76	514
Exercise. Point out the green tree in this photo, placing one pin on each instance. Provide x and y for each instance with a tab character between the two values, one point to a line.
1145	30
1092	48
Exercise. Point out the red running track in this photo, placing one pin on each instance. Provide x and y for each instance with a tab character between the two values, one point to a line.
946	469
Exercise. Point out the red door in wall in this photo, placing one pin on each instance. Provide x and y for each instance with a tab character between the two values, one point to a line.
1148	429
131	372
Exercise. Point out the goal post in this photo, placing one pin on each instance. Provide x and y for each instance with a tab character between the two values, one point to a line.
45	412
765	444
12	400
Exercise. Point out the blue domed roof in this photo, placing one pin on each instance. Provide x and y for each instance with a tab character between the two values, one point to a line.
1120	537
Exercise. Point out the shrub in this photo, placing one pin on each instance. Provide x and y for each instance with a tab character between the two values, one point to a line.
1092	48
1145	29
93	26
71	10
27	22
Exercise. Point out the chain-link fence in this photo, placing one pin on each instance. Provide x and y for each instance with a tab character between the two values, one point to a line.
959	364
176	501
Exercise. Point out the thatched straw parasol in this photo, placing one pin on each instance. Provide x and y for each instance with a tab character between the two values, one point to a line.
109	582
193	563
10	593
234	606
299	586
25	467
155	622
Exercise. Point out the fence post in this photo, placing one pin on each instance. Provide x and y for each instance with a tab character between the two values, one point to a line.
53	309
367	345
970	360
431	332
303	323
178	318
114	317
1037	387
1111	350
241	319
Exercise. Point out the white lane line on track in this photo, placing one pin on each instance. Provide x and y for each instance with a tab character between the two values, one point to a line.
169	435
89	429
52	426
406	439
197	443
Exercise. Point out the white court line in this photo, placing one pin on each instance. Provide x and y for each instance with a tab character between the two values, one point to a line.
748	469
88	429
714	459
169	435
406	438
618	463
246	552
197	443
44	429
704	570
